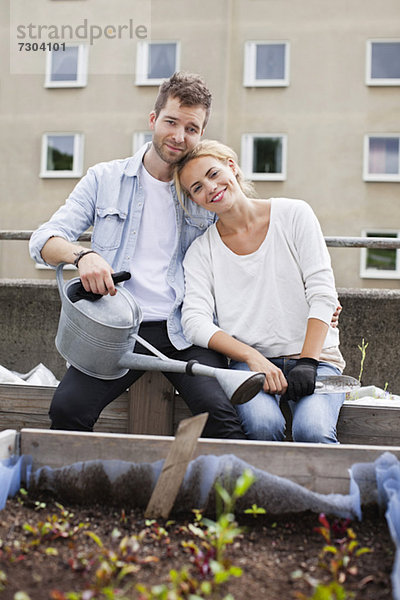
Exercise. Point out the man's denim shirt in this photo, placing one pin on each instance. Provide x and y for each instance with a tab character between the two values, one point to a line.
110	198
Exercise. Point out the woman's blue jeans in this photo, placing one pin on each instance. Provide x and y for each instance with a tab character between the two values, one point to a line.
314	417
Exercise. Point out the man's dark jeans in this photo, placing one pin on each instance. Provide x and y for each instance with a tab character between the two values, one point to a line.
79	399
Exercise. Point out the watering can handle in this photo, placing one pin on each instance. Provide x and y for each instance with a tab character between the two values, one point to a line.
117	278
60	280
120	276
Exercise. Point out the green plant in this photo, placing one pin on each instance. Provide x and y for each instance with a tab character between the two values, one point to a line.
109	568
363	350
225	501
182	585
54	527
21	496
331	591
3	580
224	530
255	510
339	555
210	565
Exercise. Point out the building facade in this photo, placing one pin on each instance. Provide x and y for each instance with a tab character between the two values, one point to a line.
307	93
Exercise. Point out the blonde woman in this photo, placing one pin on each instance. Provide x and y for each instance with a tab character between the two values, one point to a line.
260	289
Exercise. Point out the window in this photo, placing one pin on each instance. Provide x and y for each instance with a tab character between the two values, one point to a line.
156	61
378	263
383	62
62	155
67	68
140	138
263	156
382	157
266	64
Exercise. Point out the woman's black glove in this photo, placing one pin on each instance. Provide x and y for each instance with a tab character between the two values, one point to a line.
301	379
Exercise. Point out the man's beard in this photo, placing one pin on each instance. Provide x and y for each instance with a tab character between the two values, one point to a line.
165	155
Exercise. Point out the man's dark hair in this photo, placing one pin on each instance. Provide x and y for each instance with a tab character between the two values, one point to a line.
189	88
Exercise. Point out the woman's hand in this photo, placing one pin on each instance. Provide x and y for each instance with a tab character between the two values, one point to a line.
335	316
302	379
275	381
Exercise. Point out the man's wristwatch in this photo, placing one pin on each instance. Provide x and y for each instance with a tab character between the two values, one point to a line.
81	254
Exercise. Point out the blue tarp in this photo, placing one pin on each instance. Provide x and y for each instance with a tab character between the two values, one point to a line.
14	472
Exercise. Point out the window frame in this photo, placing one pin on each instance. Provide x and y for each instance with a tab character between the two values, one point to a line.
77	165
249	71
379	177
138	139
247	151
366	273
371	81
142	55
81	73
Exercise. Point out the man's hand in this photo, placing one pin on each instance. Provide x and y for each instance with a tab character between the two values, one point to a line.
301	379
275	381
335	316
95	274
94	271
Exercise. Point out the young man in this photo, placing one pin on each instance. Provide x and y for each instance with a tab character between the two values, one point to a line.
139	226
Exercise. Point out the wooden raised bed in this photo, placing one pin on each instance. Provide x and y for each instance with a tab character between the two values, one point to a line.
322	468
152	407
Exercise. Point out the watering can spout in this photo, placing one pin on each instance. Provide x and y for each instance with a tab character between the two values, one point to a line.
240	386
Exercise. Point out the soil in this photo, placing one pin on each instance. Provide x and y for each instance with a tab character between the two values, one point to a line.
48	552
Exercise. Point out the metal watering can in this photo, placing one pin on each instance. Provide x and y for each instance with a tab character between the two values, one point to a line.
97	336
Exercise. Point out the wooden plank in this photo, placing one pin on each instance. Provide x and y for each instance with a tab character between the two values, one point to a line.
181	411
179	456
319	467
378	425
24	406
117	409
20	421
8	443
151	405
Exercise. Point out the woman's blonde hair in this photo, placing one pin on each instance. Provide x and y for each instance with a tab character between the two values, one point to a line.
220	152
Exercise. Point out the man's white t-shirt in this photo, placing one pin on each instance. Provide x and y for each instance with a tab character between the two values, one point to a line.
154	249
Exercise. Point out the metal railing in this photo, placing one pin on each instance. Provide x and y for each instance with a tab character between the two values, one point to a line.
25	235
332	241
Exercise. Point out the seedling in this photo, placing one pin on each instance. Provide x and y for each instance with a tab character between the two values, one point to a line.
331	591
54	527
208	558
338	556
255	510
3	580
363	350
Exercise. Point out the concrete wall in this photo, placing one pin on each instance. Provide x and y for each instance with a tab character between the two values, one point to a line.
29	312
372	315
